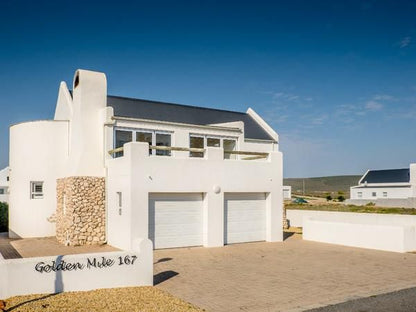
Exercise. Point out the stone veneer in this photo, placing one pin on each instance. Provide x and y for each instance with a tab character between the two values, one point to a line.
80	211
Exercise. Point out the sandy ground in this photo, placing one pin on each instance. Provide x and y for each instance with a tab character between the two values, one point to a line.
141	299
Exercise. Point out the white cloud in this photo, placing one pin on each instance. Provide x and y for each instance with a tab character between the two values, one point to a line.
384	97
373	105
405	42
286	96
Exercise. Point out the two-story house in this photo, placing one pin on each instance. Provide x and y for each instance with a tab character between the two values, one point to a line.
114	169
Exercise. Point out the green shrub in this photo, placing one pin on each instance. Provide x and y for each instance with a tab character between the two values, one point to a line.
341	198
370	204
4	217
328	197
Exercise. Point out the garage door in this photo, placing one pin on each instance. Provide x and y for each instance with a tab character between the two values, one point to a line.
175	220
245	217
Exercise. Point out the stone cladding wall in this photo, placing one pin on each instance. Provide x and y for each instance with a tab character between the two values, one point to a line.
80	211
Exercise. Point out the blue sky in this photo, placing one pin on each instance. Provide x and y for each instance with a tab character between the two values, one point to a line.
337	80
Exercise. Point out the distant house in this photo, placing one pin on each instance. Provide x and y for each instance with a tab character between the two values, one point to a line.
287	192
389	187
4	185
115	169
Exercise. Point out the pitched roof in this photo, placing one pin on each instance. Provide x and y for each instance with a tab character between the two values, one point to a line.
387	176
153	110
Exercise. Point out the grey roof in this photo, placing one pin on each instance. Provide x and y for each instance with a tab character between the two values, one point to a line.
387	176
153	110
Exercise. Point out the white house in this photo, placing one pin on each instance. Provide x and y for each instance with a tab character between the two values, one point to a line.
114	169
4	185
391	187
287	192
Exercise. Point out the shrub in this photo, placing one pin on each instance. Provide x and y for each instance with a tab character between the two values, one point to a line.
4	217
328	197
370	204
341	198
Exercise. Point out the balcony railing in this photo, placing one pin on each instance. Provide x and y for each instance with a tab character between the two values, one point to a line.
252	155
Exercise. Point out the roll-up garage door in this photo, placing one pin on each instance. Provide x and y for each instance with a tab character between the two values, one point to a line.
244	217
175	219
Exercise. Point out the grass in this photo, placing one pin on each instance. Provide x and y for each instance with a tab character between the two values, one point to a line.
352	208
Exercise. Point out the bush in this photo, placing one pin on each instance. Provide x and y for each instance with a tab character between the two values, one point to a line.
370	204
4	217
341	198
328	197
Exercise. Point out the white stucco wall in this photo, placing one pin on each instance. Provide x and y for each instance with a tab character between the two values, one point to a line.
78	272
38	152
392	192
4	185
86	143
296	217
372	235
137	174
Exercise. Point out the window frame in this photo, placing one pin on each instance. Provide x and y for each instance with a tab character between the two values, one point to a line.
153	132
210	136
36	194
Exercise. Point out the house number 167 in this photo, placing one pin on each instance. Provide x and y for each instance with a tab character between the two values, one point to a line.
126	260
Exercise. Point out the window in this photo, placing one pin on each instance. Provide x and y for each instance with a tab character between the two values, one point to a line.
359	194
162	140
145	137
36	190
196	142
384	194
2	191
213	142
201	141
122	137
229	145
374	194
152	137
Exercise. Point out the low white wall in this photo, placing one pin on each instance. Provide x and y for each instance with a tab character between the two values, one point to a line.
398	238
296	217
386	202
4	198
78	272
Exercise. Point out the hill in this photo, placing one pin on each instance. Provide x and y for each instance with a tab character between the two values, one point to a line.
322	185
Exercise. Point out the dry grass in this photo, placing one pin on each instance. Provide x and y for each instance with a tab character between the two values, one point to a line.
351	208
141	299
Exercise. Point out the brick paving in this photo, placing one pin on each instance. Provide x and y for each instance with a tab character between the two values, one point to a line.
291	276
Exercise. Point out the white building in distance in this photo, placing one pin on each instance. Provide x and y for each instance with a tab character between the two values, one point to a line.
4	185
114	169
390	188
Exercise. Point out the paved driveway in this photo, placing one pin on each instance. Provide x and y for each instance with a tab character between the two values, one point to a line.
291	276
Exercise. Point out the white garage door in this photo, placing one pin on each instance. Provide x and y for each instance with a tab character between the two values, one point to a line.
244	217
175	220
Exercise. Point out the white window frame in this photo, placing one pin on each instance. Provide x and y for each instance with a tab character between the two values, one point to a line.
374	194
153	132
360	194
210	136
35	194
384	194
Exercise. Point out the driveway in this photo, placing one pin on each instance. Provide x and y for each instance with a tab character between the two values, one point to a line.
291	276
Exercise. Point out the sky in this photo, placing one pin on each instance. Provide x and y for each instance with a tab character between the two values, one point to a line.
335	79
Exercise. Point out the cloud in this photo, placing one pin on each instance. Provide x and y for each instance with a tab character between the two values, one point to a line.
384	97
286	96
373	106
405	42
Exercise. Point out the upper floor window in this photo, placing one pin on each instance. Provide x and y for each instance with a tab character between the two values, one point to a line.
152	137
359	194
202	141
2	191
384	194
36	190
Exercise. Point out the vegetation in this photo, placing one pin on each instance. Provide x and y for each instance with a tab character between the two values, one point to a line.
4	217
352	208
323	186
